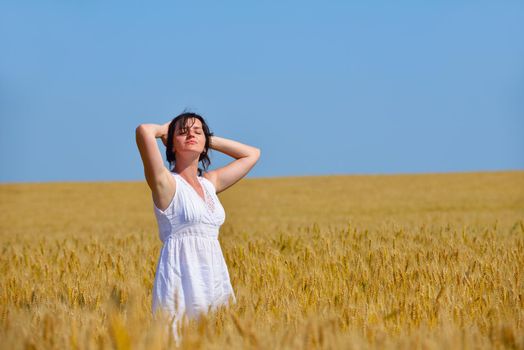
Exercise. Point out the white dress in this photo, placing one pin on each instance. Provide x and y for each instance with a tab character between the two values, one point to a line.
191	275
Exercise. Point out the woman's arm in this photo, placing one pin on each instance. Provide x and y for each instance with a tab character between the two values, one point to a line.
246	157
154	170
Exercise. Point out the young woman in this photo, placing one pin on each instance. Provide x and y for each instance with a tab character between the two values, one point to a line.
191	276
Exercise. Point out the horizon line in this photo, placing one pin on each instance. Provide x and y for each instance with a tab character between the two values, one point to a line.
456	172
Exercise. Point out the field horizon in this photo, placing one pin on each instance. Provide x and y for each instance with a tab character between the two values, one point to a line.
370	261
278	177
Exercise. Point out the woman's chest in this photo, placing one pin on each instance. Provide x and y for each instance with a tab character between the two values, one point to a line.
190	206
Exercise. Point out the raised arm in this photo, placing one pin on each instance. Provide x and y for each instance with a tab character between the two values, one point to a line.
245	158
157	175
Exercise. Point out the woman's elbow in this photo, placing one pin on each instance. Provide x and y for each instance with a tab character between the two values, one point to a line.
139	129
256	153
141	134
142	130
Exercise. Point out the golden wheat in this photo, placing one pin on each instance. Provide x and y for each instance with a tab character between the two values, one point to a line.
328	262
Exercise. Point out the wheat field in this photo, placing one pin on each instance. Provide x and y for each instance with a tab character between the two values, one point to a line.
426	261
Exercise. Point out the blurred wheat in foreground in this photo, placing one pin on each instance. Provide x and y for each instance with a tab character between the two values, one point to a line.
332	262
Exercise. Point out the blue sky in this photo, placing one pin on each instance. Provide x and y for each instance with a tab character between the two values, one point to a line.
326	87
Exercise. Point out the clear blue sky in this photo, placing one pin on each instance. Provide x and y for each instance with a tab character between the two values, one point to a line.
325	87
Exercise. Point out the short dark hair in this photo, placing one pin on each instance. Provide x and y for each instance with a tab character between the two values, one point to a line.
182	119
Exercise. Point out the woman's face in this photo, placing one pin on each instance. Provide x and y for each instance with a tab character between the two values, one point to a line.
190	138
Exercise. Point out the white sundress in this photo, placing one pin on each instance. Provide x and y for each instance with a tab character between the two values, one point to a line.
191	275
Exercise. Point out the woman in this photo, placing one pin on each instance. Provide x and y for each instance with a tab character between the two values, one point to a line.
191	276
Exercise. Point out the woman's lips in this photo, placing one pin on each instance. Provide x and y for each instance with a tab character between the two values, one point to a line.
191	142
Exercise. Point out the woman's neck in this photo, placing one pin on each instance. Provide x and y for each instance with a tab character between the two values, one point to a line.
188	171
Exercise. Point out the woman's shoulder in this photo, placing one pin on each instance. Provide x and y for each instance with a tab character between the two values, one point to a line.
211	177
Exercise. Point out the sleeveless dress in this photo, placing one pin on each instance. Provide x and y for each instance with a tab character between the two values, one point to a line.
191	275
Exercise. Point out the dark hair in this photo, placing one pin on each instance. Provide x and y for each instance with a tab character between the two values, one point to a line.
182	120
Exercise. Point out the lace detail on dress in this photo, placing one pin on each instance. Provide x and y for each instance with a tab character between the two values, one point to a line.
208	199
210	203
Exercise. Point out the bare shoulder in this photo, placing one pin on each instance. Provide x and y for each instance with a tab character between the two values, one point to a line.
211	176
